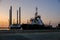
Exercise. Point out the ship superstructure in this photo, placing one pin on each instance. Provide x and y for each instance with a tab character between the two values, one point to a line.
36	19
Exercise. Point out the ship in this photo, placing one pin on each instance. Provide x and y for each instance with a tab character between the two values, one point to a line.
36	23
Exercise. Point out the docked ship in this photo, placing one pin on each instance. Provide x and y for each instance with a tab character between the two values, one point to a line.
36	23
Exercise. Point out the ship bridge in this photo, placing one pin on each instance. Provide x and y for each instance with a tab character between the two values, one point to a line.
37	19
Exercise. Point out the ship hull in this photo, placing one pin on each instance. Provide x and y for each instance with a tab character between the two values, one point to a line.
33	27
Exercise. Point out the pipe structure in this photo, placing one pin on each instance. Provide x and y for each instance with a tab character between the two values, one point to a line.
19	15
10	16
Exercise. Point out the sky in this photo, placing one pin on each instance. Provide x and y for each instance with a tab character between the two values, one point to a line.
49	10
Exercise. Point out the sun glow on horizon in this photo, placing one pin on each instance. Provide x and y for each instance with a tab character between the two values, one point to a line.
6	23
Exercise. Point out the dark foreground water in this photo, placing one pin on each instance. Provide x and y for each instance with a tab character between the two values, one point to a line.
31	36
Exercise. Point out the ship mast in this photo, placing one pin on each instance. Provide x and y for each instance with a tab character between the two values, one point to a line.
36	12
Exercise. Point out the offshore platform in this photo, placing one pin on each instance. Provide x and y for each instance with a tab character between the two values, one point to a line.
15	25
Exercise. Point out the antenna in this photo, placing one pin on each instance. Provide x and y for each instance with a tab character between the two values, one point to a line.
36	12
36	9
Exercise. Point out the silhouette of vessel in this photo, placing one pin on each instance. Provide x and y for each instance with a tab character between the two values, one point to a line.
36	23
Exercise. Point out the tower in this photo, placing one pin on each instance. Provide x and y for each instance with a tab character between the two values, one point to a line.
36	12
10	16
19	15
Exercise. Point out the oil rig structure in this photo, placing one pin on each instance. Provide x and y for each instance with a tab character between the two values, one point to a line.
17	25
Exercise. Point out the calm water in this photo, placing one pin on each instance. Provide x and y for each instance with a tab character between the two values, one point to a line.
31	36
